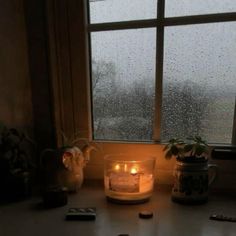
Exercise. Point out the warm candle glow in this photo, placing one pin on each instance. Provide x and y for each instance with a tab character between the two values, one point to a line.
128	180
117	167
133	171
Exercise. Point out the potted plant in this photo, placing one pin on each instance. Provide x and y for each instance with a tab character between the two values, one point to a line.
191	172
16	163
64	166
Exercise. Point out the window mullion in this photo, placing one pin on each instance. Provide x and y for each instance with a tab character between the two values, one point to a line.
200	19
159	71
123	25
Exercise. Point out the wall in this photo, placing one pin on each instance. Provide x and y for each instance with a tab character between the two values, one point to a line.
15	87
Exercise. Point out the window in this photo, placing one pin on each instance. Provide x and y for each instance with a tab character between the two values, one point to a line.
163	68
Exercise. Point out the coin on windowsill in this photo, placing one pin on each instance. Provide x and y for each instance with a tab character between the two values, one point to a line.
145	214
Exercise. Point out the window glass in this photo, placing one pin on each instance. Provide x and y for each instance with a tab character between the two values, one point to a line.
199	84
123	78
198	7
121	10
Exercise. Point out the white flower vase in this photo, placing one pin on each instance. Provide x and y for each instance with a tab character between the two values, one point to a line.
72	177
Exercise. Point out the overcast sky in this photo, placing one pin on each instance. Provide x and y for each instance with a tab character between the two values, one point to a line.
202	53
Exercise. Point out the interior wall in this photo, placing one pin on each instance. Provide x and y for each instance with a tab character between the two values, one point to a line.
15	86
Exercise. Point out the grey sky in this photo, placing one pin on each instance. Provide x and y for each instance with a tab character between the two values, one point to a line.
203	53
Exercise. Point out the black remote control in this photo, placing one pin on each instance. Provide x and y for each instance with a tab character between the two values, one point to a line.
81	213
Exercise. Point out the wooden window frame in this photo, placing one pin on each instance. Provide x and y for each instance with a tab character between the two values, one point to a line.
68	32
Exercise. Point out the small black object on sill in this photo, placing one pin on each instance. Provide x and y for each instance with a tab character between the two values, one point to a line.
55	196
145	214
81	213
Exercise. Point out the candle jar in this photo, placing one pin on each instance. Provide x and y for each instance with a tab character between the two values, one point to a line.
128	179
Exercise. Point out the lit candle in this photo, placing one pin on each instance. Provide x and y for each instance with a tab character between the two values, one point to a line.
133	171
117	167
129	180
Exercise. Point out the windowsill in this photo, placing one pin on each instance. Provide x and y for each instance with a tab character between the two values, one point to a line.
169	218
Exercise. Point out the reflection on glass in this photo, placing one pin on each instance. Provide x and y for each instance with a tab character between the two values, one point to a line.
198	7
121	10
199	81
123	77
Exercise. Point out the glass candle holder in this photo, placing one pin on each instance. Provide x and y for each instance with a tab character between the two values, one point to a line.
128	179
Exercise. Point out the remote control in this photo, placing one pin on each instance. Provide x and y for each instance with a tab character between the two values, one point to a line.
81	213
222	218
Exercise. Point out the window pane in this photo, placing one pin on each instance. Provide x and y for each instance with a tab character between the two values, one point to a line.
123	77
198	7
121	10
199	81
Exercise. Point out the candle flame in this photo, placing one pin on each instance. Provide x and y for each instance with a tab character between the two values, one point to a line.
133	171
117	167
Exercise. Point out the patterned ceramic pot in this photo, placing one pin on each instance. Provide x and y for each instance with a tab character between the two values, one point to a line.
192	181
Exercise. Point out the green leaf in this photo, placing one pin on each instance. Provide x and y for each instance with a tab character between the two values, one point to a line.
188	147
166	147
64	138
168	154
175	150
200	150
15	132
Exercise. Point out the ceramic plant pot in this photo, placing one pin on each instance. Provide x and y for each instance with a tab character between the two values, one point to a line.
192	180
